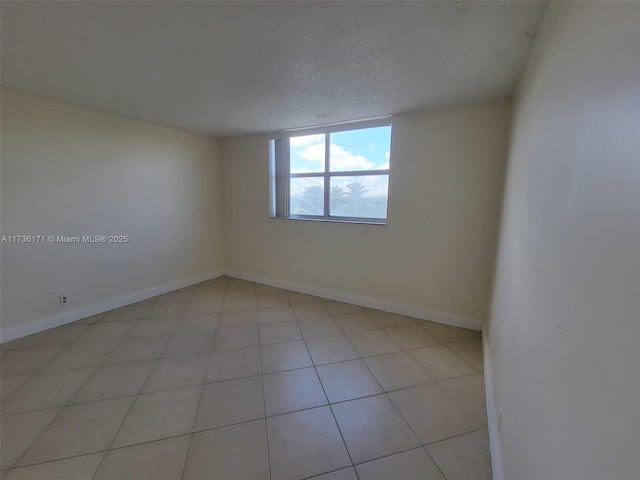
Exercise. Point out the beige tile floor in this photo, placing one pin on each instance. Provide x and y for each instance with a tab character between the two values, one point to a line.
234	380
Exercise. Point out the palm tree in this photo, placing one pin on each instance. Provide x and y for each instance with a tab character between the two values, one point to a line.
356	197
313	199
356	189
337	191
338	199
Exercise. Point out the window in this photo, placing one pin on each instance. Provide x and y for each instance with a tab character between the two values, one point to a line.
336	173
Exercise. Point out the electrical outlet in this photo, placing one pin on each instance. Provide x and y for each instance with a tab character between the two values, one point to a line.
63	300
419	298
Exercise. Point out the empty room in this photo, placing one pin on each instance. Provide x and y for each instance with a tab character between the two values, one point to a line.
331	240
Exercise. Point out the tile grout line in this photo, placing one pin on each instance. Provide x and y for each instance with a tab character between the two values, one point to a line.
105	364
333	471
124	419
55	460
383	392
344	443
13	465
56	415
173	332
434	461
264	402
193	426
407	422
26	349
39	371
333	413
423	447
459	404
457	355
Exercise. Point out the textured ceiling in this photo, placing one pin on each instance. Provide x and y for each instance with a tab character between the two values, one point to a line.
227	68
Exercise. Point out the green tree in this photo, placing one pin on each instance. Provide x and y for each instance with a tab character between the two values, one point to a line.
313	200
338	199
337	191
356	190
356	201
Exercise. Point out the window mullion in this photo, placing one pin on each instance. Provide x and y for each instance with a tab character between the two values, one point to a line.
359	173
327	179
282	178
306	175
288	179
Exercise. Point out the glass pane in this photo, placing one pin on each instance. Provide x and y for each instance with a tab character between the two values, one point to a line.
362	197
307	196
306	153
364	149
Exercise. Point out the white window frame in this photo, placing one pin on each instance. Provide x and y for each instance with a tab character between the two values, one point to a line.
280	175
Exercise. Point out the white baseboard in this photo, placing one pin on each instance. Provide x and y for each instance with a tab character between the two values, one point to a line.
492	419
68	316
387	306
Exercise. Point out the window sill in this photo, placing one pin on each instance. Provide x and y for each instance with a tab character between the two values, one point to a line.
334	220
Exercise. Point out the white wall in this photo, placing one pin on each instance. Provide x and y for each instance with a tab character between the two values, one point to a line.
445	187
74	171
564	335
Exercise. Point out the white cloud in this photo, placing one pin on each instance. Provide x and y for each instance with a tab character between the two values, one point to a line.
310	151
387	155
307	140
384	166
313	153
343	160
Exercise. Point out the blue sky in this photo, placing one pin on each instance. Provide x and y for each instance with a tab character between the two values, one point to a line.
366	149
